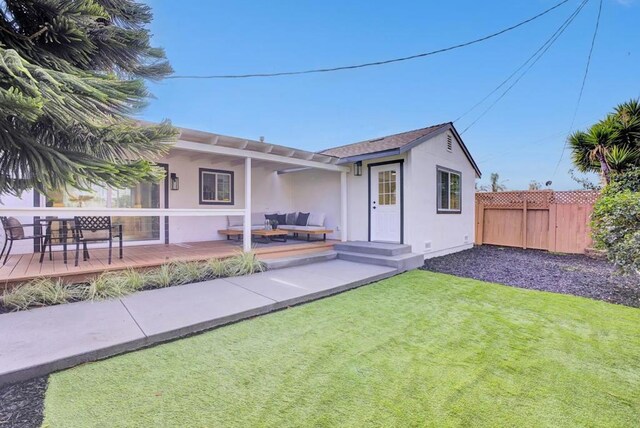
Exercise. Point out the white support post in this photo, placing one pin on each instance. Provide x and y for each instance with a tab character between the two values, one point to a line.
246	232
343	206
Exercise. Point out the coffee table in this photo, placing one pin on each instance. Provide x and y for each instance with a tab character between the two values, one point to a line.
265	235
270	235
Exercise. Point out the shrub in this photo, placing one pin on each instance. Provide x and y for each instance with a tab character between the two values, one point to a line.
110	285
187	272
616	227
629	180
243	264
39	292
160	277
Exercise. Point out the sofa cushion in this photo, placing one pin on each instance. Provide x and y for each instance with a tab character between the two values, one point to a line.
302	218
291	218
241	227
235	220
315	219
303	229
257	219
282	218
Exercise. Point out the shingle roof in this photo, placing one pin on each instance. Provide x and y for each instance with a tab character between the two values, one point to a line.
375	145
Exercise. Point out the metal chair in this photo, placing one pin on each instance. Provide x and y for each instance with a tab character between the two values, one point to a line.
85	230
14	231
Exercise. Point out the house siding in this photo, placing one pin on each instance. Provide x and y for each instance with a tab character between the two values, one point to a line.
423	226
445	233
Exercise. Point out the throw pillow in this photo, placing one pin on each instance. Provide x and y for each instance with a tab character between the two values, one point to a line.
270	217
282	219
291	218
316	219
302	219
16	231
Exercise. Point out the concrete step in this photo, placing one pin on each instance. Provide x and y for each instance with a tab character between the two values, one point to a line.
300	260
402	262
379	248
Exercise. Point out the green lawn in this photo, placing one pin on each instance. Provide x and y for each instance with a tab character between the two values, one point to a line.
419	349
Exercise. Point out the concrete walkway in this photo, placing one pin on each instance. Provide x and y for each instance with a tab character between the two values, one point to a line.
44	340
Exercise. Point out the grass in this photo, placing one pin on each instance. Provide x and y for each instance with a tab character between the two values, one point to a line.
108	285
420	349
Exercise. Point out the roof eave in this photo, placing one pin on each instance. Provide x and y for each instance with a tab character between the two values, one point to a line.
369	156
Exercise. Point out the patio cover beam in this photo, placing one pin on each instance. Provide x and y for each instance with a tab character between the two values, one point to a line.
230	151
120	212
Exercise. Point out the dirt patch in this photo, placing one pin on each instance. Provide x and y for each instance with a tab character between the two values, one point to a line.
540	270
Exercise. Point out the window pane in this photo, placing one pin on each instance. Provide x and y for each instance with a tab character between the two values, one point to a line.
455	192
224	187
208	186
143	195
443	183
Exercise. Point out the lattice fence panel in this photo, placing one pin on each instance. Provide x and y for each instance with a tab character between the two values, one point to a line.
534	198
581	197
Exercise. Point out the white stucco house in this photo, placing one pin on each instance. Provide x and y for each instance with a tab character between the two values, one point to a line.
415	187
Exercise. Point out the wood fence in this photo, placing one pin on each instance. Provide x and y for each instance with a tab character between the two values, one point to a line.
541	219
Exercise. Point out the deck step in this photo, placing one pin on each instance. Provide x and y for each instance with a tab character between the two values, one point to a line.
379	248
299	260
402	262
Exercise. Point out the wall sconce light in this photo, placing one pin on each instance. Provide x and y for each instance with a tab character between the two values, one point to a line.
357	169
175	182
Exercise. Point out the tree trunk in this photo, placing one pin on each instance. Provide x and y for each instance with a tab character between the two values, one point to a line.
604	166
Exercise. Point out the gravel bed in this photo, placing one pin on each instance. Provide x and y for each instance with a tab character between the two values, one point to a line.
22	404
540	270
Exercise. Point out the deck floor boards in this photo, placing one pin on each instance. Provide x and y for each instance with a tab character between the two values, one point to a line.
23	267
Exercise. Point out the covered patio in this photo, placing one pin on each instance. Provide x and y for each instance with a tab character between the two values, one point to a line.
210	180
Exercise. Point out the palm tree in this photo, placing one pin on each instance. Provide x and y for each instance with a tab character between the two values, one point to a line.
496	184
611	145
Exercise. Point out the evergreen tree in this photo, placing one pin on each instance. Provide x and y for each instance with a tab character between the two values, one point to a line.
71	76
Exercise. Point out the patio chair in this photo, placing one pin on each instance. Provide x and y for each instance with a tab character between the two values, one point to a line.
14	231
93	230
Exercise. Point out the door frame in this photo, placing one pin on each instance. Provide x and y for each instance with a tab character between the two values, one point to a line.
401	163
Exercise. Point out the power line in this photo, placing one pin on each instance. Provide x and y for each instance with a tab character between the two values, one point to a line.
371	64
535	57
584	81
516	70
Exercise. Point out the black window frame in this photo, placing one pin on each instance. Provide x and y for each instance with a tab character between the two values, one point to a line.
449	171
202	201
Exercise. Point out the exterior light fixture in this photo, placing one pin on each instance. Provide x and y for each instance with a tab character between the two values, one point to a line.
175	182
357	169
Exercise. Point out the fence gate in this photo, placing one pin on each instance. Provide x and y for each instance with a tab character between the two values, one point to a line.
541	219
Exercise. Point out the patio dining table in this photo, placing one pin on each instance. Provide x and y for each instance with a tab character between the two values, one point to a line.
59	234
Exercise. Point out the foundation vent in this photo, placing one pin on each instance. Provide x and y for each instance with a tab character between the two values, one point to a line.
427	246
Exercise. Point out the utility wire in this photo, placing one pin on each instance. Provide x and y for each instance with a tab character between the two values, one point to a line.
370	64
505	81
535	57
584	80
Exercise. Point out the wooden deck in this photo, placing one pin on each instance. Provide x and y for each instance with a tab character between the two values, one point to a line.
23	267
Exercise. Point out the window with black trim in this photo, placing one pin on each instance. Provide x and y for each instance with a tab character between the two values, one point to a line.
216	187
449	191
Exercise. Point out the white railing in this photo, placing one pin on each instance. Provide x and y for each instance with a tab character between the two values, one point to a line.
120	212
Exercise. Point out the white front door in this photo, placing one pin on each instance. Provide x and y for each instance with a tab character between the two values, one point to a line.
385	204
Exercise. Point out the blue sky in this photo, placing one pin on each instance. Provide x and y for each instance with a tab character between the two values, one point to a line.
521	138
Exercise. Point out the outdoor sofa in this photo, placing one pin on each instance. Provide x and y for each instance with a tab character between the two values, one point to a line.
297	223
